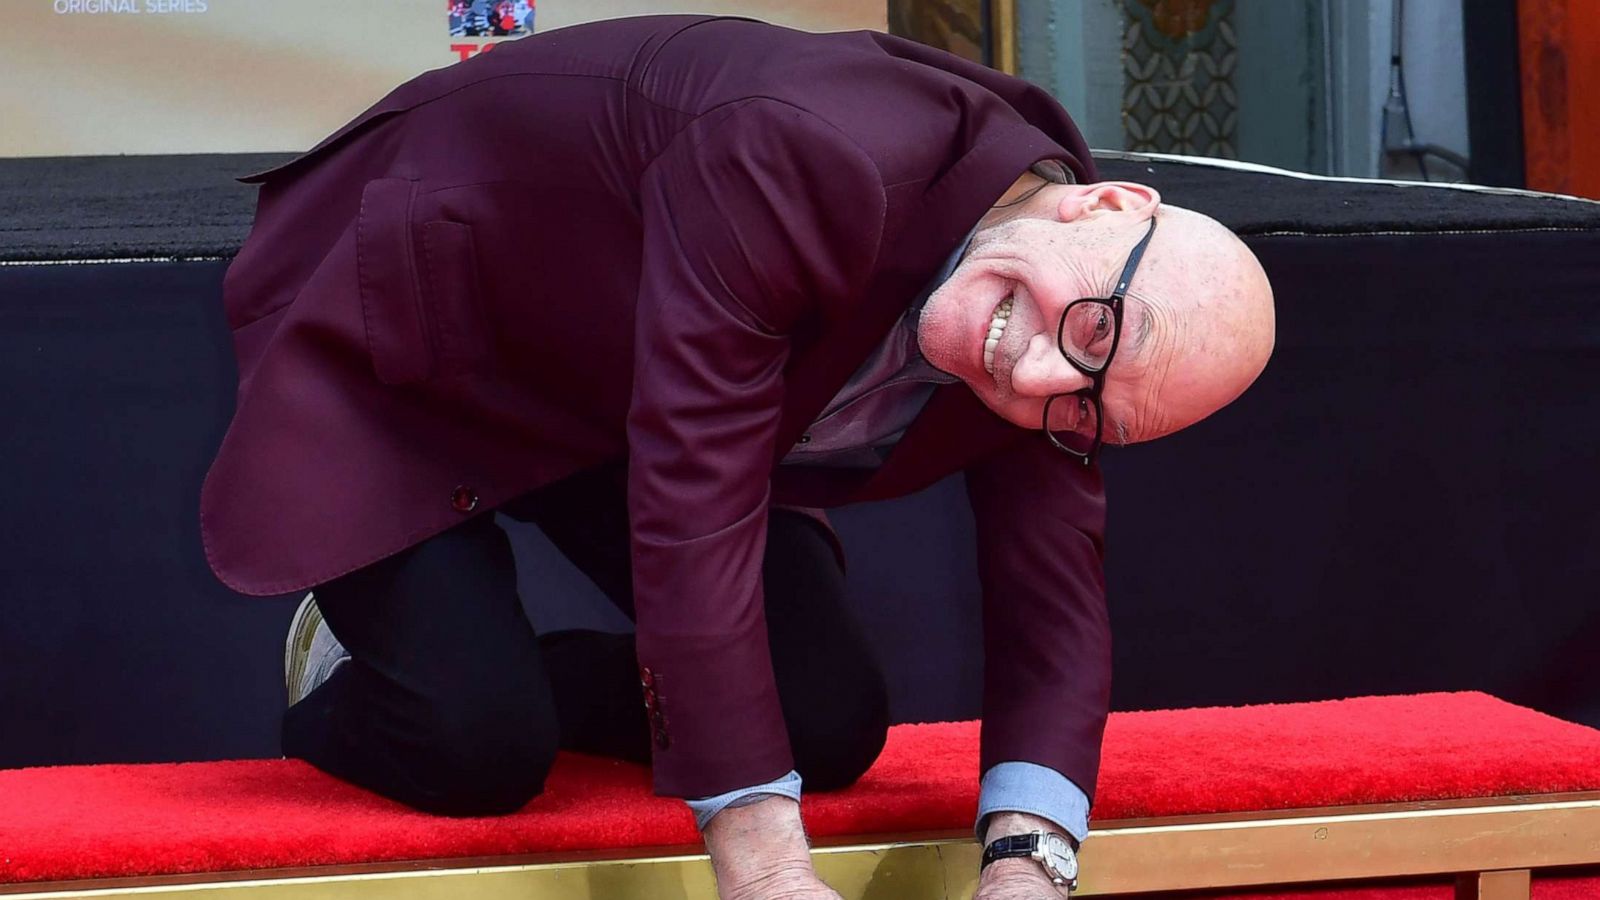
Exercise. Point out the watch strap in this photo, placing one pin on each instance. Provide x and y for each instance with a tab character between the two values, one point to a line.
1010	847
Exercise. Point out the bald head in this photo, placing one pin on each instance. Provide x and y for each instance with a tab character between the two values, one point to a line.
1202	327
1197	322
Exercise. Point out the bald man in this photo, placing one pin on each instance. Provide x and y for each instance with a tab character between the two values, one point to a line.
757	272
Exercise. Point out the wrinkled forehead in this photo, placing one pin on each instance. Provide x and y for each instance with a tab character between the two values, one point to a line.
1134	380
1185	368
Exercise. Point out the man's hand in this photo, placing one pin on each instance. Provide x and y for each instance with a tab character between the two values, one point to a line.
1017	879
759	852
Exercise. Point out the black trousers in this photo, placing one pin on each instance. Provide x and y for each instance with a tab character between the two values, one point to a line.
451	704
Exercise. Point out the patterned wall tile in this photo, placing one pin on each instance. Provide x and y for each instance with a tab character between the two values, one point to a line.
1179	59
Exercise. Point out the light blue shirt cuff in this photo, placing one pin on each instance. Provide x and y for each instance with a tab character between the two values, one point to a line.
704	810
1037	790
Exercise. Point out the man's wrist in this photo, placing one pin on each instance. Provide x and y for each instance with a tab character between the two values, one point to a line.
1005	824
745	841
1020	870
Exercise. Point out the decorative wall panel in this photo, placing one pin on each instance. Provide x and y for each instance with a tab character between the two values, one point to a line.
1179	58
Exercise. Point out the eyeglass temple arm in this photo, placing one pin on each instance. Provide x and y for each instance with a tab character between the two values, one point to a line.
1133	262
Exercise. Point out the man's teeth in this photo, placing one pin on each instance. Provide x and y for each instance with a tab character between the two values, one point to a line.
997	327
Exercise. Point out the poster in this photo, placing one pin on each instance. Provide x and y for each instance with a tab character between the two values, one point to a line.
89	77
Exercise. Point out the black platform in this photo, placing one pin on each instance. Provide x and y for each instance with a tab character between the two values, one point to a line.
1407	500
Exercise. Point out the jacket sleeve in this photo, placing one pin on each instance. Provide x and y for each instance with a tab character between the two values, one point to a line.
752	217
1040	520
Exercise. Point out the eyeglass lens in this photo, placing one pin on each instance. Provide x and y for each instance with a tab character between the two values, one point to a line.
1087	334
1074	422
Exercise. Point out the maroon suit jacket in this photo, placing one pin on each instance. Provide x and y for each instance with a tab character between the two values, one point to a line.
669	241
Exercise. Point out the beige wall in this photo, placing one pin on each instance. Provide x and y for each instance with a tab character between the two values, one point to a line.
219	76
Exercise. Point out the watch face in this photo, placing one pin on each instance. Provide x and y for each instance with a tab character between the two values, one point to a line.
1059	860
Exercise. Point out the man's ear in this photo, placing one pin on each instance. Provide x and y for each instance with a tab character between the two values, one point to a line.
1079	201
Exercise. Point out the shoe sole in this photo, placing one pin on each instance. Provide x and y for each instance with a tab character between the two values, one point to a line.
297	646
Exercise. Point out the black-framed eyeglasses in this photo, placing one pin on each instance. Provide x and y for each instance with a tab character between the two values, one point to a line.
1087	336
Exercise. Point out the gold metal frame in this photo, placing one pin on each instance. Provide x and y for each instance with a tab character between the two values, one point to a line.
961	27
1003	35
1489	846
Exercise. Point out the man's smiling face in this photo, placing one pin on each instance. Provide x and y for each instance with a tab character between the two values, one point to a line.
1197	326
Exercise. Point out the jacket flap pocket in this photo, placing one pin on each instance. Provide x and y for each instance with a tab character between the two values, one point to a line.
391	302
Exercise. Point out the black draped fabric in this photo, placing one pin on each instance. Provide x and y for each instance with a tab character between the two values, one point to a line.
1406	501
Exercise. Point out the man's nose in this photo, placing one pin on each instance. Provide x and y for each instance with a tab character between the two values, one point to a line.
1042	370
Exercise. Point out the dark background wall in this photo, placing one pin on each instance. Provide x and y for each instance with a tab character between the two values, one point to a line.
1405	502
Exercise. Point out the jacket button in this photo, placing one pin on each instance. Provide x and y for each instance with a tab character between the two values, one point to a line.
804	439
463	499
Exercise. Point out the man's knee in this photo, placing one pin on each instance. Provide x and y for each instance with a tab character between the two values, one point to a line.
480	760
835	740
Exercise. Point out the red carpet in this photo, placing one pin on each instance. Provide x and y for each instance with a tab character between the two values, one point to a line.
107	821
1565	887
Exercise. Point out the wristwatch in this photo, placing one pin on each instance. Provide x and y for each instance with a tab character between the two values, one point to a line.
1053	851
